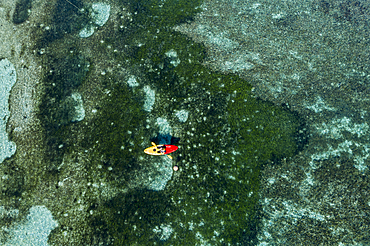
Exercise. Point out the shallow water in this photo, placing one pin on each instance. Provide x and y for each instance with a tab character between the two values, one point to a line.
266	101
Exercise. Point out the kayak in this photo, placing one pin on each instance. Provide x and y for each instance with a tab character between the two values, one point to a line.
162	149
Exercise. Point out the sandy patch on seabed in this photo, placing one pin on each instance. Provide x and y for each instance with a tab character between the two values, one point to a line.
16	46
28	163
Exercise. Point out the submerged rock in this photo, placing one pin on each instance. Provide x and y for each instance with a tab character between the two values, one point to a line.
22	11
35	230
182	115
132	81
149	98
8	77
99	16
160	173
79	111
